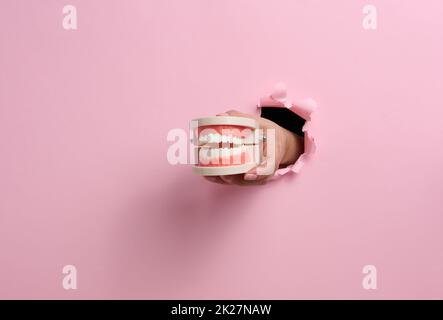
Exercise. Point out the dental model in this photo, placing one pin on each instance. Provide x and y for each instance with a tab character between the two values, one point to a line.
225	145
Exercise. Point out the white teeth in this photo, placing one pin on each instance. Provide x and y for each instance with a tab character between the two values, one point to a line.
209	138
231	152
249	149
217	138
214	138
224	155
236	151
236	140
215	153
227	139
204	155
224	152
221	152
248	139
203	139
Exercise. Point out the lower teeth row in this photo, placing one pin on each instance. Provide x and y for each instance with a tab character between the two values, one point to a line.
208	153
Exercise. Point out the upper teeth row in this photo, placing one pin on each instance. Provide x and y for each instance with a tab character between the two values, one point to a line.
218	138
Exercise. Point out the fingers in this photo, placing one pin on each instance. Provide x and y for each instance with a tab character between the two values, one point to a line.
215	179
261	172
236	113
249	178
239	179
228	179
235	179
254	175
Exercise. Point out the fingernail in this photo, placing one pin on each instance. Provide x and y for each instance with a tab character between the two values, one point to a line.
250	176
223	114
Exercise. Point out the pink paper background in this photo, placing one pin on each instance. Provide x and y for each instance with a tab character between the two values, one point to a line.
84	178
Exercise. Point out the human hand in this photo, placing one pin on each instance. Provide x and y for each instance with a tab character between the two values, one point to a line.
288	147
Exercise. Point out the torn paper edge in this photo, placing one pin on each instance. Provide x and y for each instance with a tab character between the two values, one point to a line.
304	108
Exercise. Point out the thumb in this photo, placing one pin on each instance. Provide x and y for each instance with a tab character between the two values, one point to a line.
253	174
236	113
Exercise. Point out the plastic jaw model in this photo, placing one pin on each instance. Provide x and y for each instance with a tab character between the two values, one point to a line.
225	145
